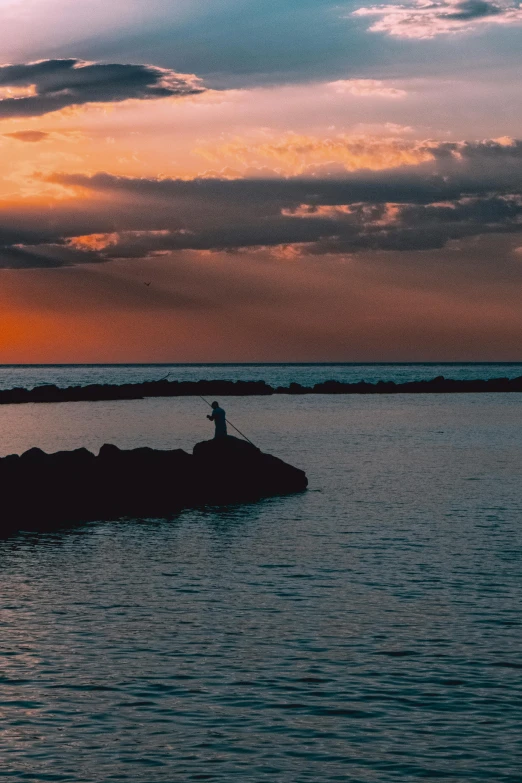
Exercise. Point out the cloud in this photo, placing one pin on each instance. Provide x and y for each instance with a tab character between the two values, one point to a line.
366	88
33	136
462	189
299	152
341	228
41	256
34	89
402	227
429	18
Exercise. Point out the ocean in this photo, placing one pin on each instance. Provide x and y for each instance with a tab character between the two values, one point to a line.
367	630
29	376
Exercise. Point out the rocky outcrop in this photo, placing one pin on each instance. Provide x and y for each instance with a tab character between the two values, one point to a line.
42	491
164	388
235	470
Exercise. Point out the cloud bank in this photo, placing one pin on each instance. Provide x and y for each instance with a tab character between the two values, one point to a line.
463	189
429	18
302	154
38	88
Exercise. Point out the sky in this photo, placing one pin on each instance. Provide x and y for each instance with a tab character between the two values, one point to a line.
237	180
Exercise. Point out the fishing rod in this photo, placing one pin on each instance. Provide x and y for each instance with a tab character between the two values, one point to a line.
229	422
210	406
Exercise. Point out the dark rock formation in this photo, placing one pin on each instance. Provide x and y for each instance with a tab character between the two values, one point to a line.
235	470
41	491
164	388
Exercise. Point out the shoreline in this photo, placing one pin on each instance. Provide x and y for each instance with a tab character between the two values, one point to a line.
51	393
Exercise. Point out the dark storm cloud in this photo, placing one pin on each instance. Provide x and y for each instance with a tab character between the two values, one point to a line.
50	85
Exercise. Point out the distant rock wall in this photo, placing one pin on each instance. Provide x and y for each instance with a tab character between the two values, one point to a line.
41	491
137	391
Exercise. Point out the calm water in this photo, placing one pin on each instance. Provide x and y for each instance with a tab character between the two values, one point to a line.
367	630
275	374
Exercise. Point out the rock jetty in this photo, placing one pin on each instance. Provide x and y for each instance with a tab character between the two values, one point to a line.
41	491
137	391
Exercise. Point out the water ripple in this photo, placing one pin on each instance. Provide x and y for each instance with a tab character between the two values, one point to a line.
369	632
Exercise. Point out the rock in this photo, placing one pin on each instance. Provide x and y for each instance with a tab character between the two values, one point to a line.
34	455
44	491
236	470
50	393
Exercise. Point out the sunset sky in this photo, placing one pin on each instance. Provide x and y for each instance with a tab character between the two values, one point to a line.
296	179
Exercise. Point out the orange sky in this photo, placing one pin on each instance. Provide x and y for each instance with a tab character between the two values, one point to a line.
358	211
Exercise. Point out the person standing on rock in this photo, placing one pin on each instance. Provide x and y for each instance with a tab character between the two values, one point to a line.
219	418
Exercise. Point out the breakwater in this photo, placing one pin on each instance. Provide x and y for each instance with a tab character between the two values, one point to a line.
42	491
222	388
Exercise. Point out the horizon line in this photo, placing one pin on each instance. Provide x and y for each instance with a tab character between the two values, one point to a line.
263	364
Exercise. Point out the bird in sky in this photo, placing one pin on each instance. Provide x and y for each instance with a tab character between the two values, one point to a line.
147	284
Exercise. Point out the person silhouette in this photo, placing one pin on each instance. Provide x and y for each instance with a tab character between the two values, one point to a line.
219	418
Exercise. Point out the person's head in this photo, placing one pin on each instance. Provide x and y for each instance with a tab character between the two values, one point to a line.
215	405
